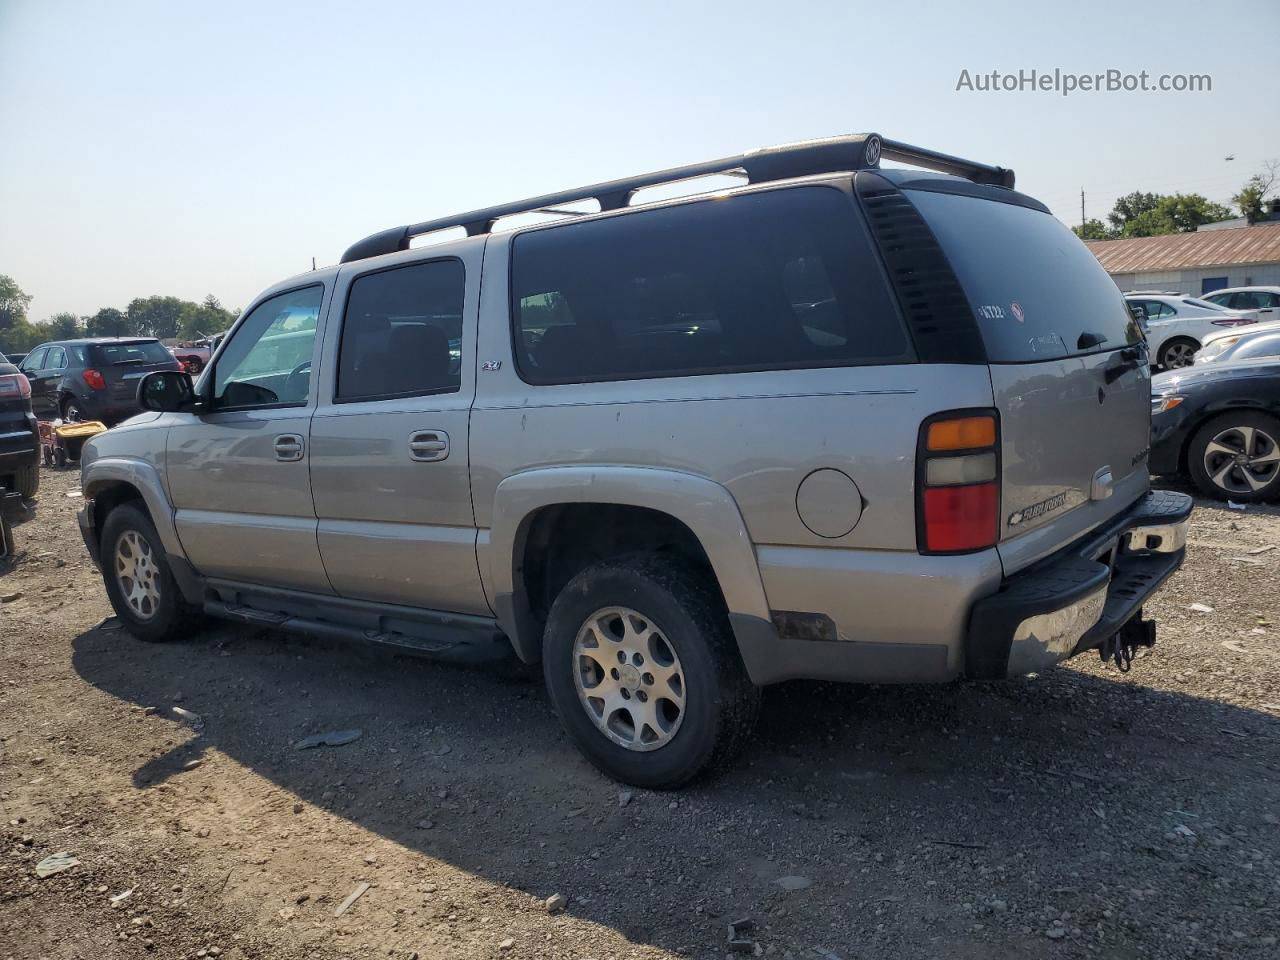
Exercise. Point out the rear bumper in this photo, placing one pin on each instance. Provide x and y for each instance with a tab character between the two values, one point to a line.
1081	597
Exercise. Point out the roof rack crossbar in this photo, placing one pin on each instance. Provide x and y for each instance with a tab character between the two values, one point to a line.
854	152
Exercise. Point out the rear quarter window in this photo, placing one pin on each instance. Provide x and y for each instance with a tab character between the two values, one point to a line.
1034	287
771	280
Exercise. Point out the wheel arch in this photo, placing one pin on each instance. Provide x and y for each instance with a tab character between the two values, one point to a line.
110	481
680	501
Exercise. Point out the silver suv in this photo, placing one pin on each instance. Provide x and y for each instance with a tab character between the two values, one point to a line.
838	422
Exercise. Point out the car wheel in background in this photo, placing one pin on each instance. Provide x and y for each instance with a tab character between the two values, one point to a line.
1236	456
1178	352
27	481
644	672
136	574
71	410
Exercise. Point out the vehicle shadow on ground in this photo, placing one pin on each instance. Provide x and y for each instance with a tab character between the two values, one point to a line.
886	799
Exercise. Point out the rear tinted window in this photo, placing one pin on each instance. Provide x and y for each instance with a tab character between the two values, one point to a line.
1035	288
763	281
402	333
131	354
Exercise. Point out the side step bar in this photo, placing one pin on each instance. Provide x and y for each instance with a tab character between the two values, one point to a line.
449	636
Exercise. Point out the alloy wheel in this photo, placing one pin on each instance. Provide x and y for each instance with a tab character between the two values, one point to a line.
1178	355
629	678
137	574
1242	459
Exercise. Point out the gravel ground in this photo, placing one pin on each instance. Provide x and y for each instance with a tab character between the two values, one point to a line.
1083	813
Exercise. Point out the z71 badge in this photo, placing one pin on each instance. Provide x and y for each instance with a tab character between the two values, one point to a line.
1037	509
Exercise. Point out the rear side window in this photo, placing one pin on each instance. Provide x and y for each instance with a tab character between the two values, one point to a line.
402	333
131	354
780	279
1035	288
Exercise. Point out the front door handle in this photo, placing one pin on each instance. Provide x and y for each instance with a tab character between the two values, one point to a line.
289	447
428	445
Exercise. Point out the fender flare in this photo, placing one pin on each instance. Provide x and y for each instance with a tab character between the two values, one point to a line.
702	505
104	472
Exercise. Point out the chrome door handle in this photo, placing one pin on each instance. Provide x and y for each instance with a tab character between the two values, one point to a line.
289	447
428	445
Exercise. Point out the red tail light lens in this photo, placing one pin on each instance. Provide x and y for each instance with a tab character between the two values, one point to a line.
960	518
958	479
15	385
94	379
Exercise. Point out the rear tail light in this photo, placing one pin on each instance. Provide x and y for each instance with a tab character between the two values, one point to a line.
958	476
15	385
94	379
1233	322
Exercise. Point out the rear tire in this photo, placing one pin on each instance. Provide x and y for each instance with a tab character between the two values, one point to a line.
71	410
676	617
27	481
139	583
1236	456
1177	353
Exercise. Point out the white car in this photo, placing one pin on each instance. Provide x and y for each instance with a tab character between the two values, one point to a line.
1177	325
1255	340
1266	300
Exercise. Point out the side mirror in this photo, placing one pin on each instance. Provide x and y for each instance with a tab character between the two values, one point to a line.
166	391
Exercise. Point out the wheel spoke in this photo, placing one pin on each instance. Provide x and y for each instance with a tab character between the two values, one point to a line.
1246	439
1220	448
1255	483
1220	478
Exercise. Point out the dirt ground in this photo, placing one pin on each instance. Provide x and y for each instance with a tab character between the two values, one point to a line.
1083	813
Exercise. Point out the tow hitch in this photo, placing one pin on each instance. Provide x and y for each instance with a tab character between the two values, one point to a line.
1134	634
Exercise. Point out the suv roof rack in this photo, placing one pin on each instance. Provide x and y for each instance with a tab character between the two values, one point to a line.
860	151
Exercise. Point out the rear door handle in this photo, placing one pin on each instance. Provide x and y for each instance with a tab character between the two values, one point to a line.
428	445
289	447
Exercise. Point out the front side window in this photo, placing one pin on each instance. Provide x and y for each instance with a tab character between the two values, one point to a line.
772	280
268	361
1246	301
402	333
34	359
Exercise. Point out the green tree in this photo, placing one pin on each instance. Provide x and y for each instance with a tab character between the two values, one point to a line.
1253	194
63	326
13	303
155	316
1093	229
1176	213
204	319
109	322
1130	207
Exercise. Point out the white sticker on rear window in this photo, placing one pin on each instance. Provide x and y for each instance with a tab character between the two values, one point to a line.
991	311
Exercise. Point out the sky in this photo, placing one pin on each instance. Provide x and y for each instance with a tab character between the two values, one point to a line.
187	149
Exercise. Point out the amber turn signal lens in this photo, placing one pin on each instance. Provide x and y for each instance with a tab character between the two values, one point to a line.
964	433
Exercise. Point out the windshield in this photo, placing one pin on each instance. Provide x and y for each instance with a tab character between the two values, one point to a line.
1204	304
1036	290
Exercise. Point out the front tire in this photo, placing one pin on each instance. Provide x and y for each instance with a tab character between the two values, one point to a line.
1236	456
71	411
139	583
643	670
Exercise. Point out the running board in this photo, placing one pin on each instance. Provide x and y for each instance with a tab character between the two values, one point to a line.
413	630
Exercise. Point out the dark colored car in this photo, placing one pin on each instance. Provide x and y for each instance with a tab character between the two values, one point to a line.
92	379
1219	424
16	358
19	442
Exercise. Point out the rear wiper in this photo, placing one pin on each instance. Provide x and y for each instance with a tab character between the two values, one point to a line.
126	363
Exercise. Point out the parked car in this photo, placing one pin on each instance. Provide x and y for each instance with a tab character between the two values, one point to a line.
16	358
93	378
1177	325
674	451
1255	340
194	357
1264	300
19	441
1219	424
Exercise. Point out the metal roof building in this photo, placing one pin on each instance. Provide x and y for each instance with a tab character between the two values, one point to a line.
1194	263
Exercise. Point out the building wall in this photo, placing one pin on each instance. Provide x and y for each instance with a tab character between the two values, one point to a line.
1188	281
